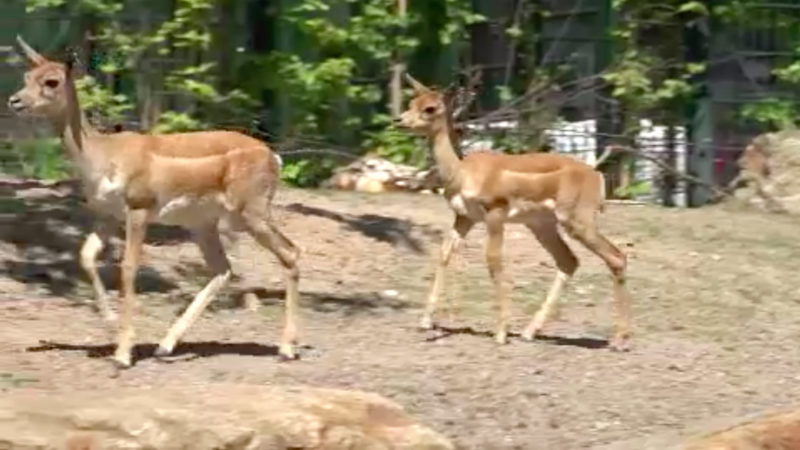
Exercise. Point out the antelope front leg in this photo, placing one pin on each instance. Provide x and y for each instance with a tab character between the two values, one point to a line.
92	246
461	227
135	227
214	255
494	259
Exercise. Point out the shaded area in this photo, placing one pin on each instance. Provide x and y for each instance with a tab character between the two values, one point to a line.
48	224
381	228
442	332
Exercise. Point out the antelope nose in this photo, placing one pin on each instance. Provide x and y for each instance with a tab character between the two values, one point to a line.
402	121
15	103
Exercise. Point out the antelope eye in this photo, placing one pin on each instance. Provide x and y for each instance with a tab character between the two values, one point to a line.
51	83
429	110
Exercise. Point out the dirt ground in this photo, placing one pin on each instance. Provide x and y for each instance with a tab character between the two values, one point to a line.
717	317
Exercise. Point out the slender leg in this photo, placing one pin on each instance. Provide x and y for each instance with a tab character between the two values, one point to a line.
135	228
288	254
208	240
92	246
494	259
586	232
461	227
546	233
456	283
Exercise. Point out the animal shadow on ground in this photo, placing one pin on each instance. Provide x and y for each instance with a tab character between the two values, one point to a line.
442	332
48	227
183	351
381	228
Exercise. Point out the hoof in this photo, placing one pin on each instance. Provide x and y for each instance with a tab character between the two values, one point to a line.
162	351
529	334
426	324
110	316
286	353
501	338
620	344
286	357
121	363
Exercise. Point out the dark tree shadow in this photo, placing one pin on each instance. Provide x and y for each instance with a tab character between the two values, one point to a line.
443	332
381	228
48	225
141	352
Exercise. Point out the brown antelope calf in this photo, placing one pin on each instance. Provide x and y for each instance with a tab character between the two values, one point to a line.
187	179
540	191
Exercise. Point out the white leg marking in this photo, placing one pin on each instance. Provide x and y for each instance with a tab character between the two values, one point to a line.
192	313
92	247
544	311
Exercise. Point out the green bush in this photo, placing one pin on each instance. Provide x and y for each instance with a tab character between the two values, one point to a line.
397	145
307	172
36	158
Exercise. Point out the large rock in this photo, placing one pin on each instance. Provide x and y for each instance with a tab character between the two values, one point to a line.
774	159
210	417
772	431
779	431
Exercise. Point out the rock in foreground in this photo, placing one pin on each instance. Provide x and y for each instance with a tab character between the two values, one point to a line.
772	432
210	417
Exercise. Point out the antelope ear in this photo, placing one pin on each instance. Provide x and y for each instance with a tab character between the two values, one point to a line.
34	57
419	87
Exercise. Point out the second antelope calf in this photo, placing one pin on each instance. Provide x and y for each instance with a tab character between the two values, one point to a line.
541	191
187	179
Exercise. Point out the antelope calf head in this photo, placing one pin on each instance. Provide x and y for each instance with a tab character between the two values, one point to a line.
431	111
427	112
43	94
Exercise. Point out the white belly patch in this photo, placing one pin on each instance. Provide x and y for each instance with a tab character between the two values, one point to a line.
519	208
467	207
106	196
191	210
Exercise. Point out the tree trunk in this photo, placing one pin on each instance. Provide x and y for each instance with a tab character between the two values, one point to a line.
399	67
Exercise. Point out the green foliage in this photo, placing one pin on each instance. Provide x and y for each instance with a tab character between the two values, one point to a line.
395	144
130	50
307	172
773	112
100	100
459	16
646	77
635	81
636	189
36	158
323	88
174	122
751	14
